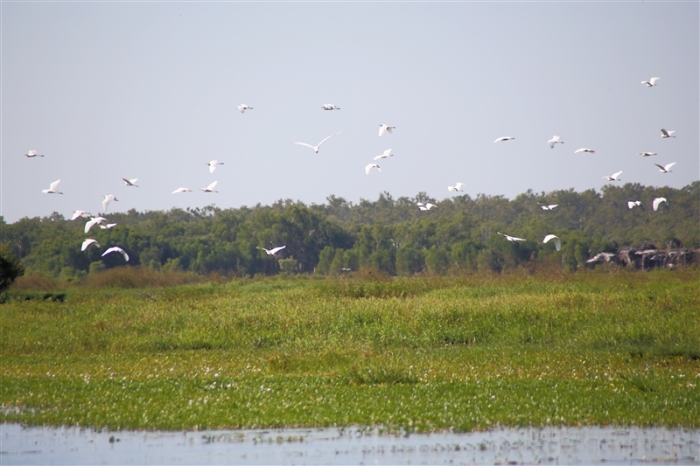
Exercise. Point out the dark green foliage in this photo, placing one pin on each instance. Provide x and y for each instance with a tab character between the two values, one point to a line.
10	268
389	235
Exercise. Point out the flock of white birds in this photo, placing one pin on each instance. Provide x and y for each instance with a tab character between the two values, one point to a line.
383	128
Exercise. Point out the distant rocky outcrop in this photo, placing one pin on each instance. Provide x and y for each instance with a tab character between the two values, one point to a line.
648	257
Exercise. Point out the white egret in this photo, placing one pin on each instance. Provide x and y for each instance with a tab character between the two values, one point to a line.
330	107
555	140
387	153
107	199
387	128
584	149
52	188
633	204
88	242
370	166
614	176
109	226
548	206
456	188
666	168
666	133
511	238
652	82
427	206
504	138
210	188
32	153
132	182
213	164
92	222
182	190
244	107
647	154
273	251
657	201
117	249
557	242
79	213
316	147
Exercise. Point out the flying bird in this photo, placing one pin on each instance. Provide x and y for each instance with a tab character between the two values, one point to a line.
92	222
88	242
555	139
182	190
109	226
330	107
427	206
584	149
666	133
665	169
371	166
130	182
32	153
547	206
244	107
387	153
316	147
511	238
652	82
647	154
633	204
504	138
107	199
273	251
117	249
657	202
387	128
213	164
614	176
52	188
210	188
456	188
557	242
79	213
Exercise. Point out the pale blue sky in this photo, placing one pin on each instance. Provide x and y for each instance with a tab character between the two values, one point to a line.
149	90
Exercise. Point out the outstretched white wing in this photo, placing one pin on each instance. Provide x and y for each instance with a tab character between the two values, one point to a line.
557	243
88	242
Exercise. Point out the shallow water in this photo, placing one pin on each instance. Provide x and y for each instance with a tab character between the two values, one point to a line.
587	445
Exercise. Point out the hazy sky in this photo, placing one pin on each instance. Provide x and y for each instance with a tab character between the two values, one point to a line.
149	91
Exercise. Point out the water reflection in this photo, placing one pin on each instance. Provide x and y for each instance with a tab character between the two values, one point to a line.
43	445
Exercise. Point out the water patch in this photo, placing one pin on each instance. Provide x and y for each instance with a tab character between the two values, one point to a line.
586	445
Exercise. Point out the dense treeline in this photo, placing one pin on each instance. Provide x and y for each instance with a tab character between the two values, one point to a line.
391	235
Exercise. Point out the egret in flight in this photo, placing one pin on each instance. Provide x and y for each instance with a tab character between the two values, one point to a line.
657	202
244	107
79	213
32	153
555	139
109	226
88	242
666	133
557	241
213	164
665	169
652	82
370	166
504	138
52	188
387	153
182	190
330	107
547	206
107	199
511	238
92	222
614	176
387	128
456	188
210	188
427	206
647	154
117	249
273	251
584	149
633	204
316	147
130	182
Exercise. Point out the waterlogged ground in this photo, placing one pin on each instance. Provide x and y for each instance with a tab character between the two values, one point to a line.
422	355
590	445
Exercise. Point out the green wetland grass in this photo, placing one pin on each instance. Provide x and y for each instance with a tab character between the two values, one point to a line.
418	354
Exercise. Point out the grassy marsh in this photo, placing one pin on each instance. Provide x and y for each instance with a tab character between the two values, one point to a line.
421	353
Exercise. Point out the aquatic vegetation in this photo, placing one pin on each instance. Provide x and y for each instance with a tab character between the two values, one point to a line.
419	354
